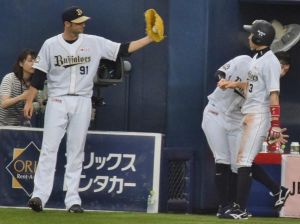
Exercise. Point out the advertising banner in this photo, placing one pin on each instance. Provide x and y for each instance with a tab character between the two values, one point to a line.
120	172
290	178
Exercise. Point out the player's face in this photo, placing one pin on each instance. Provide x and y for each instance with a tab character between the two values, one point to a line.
77	28
27	64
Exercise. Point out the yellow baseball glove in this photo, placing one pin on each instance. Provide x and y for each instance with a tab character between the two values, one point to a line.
154	25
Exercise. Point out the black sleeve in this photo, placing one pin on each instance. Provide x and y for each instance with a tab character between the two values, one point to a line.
220	75
123	51
38	79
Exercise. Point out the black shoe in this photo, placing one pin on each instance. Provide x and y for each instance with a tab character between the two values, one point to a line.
281	197
35	204
222	210
75	209
235	212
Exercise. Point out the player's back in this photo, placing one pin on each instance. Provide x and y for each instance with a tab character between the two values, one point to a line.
229	101
263	78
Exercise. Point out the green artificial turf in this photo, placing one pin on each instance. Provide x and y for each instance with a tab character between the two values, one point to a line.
26	216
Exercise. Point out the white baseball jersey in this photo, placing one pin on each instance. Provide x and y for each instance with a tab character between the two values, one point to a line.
222	116
263	78
71	68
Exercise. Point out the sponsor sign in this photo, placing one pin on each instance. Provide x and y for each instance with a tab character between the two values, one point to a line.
290	178
120	171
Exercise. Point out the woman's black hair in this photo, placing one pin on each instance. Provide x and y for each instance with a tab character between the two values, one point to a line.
17	69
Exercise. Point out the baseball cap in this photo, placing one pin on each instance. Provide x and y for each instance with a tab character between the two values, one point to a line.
74	14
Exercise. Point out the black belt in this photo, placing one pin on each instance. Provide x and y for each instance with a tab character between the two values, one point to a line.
72	94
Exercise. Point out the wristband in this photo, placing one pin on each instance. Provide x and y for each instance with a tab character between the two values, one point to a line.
275	115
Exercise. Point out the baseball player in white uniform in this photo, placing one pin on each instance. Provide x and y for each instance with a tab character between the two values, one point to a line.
262	97
222	120
70	61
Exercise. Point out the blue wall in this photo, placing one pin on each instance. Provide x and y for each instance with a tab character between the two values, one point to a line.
188	41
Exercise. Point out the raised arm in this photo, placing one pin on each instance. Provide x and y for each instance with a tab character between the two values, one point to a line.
154	30
138	44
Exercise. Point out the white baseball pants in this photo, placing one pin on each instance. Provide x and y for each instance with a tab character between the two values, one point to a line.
222	134
64	114
255	131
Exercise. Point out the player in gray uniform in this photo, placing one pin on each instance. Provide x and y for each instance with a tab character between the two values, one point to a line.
222	119
262	97
70	61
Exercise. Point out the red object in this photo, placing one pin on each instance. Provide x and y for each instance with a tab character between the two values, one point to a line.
275	147
275	113
268	158
275	130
